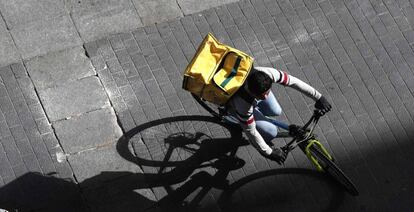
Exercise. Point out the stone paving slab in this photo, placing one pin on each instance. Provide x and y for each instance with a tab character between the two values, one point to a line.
40	37
73	98
57	68
155	11
190	7
88	164
95	20
91	130
8	52
21	12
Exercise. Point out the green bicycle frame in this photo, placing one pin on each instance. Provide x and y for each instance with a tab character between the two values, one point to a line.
313	159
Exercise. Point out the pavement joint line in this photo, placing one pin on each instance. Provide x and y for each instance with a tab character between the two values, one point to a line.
90	149
4	20
118	121
181	9
86	54
136	10
12	38
93	75
81	114
77	30
63	150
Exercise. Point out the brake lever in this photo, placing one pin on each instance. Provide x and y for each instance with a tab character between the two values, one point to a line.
317	113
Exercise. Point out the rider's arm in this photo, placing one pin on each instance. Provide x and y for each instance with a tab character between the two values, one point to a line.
244	113
249	127
285	79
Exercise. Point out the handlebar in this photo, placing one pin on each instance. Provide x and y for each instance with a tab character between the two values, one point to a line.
306	133
315	118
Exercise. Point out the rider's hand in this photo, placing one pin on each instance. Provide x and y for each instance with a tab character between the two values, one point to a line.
323	105
278	155
295	130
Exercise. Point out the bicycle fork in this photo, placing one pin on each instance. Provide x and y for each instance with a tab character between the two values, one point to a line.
316	144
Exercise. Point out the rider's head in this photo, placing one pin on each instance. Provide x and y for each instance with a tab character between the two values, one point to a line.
259	84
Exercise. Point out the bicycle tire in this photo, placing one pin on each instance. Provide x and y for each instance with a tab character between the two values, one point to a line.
168	142
330	168
210	107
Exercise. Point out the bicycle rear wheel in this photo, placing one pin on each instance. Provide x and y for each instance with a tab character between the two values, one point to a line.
333	170
213	109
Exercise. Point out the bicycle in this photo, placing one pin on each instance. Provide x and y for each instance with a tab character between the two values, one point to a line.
303	137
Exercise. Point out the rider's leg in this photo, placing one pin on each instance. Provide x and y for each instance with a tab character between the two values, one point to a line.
265	128
269	106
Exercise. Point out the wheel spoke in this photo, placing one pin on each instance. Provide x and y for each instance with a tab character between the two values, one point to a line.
167	143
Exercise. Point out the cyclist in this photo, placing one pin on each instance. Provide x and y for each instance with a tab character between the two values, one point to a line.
254	101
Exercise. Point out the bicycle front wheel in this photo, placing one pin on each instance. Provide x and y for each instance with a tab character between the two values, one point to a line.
333	170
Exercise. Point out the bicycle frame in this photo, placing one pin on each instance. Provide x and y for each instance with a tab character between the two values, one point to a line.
306	136
293	143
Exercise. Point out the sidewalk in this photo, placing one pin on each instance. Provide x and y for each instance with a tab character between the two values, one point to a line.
77	75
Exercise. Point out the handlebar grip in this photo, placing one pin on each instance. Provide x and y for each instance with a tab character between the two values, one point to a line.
317	113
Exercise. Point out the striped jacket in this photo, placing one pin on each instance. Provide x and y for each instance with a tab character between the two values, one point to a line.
242	103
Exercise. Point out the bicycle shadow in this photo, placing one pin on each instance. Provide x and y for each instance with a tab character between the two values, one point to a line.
224	153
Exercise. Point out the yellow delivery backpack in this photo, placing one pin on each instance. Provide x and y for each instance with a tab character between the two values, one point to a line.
216	71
